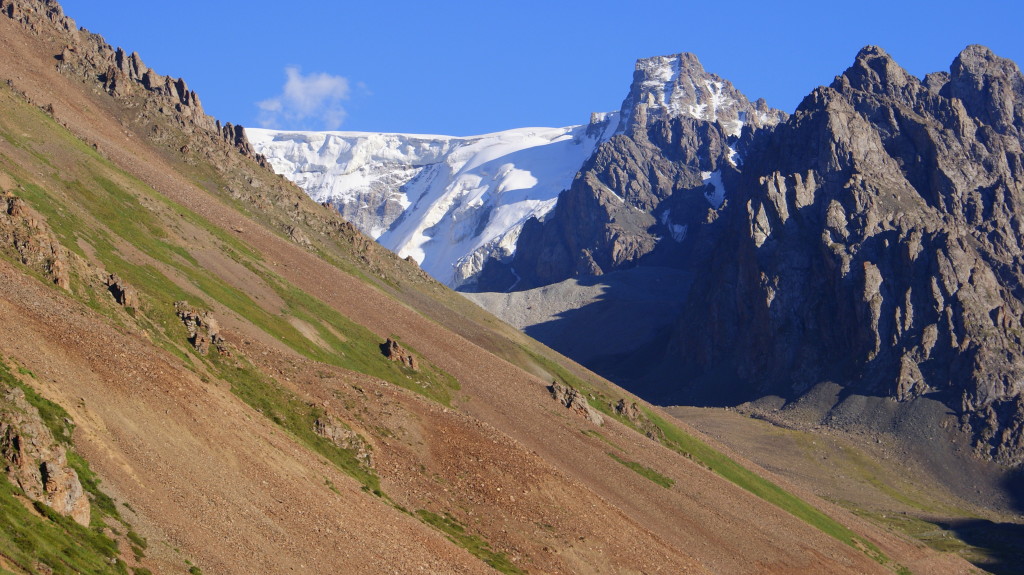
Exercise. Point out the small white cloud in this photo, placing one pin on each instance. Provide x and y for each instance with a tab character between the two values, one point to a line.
306	99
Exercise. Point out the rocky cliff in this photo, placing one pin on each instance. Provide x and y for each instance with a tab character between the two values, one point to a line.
874	240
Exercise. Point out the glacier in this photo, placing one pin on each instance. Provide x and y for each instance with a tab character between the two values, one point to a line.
451	203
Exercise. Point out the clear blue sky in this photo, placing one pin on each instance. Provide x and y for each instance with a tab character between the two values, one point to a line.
470	67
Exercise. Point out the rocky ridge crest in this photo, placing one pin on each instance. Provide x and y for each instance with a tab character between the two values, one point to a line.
123	75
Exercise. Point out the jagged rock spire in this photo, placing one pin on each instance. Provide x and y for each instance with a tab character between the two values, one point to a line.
679	86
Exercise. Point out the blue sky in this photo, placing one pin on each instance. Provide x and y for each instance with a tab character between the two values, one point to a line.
462	68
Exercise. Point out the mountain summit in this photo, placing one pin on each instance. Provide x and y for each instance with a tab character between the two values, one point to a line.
458	205
675	86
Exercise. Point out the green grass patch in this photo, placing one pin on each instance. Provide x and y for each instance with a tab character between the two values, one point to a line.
456	533
644	471
137	540
358	348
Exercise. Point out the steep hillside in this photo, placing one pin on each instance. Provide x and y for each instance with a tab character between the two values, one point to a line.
243	383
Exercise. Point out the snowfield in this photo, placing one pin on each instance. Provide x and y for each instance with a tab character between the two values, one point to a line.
449	202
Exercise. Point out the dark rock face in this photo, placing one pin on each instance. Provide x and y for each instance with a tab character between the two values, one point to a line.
874	240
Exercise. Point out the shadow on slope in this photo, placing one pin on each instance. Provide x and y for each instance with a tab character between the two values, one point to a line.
617	324
1001	544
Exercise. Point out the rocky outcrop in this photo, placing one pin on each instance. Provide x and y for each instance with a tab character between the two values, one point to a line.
873	240
25	233
570	398
203	329
395	352
35	461
631	412
124	294
344	437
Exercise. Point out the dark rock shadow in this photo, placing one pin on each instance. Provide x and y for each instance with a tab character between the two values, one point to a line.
625	329
1002	544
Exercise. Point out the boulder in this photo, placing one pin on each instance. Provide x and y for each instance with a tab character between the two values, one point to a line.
395	352
575	401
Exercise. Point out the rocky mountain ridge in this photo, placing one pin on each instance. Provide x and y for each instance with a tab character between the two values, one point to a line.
875	242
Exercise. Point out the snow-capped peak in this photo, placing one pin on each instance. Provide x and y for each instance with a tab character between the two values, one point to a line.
678	86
